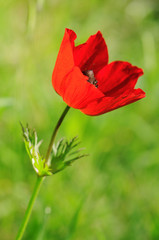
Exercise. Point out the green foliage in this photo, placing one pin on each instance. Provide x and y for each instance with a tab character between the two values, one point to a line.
64	154
32	146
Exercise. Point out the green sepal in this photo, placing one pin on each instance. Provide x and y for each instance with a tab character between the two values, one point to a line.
64	154
32	147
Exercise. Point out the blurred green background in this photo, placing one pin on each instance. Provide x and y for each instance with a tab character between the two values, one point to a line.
113	193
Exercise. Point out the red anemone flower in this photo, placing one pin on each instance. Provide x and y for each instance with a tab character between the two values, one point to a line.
85	80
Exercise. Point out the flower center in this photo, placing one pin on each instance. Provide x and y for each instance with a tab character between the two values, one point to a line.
90	74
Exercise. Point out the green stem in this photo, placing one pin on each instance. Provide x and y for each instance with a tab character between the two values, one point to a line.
55	132
40	179
29	208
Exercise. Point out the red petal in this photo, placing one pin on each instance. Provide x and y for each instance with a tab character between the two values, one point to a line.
65	61
93	54
117	78
78	93
68	80
108	104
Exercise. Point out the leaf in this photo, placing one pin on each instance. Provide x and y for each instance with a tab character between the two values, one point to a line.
32	147
74	220
64	154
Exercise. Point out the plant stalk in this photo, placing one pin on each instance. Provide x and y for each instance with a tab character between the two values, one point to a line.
55	132
29	208
40	179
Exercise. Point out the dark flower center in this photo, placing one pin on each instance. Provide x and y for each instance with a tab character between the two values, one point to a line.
90	74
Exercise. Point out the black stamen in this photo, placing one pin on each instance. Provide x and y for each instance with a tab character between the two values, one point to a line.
90	74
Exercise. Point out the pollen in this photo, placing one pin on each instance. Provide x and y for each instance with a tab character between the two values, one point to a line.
92	80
